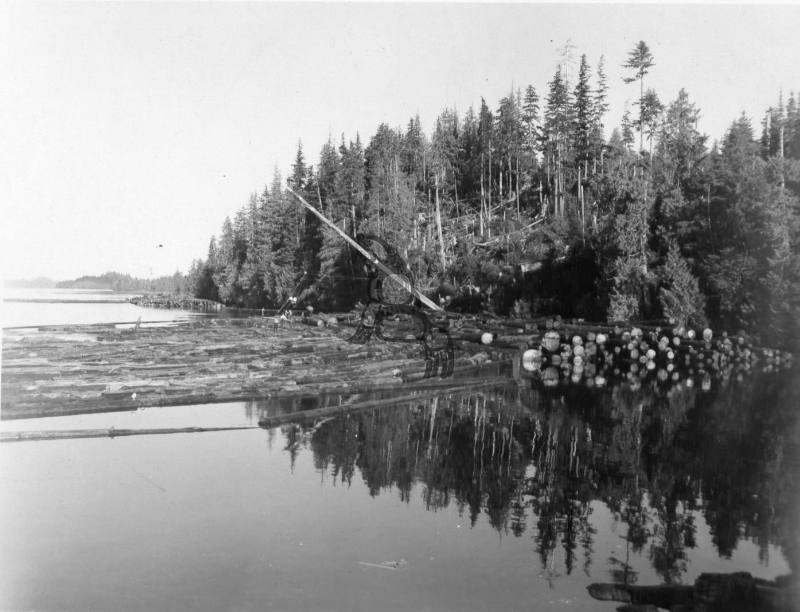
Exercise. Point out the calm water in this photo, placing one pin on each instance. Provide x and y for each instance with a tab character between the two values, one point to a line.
83	307
508	498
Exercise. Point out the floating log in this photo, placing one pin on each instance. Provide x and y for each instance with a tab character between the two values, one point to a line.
69	434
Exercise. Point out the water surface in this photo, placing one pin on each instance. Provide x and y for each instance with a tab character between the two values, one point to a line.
508	498
31	307
514	497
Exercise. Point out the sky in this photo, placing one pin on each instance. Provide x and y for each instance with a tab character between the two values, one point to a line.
131	130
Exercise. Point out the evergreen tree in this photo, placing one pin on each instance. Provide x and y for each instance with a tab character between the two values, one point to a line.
681	146
486	140
297	179
651	116
735	213
624	234
584	113
259	264
225	271
332	287
678	177
510	137
469	162
640	60
600	108
445	152
204	285
680	297
351	186
412	149
556	131
792	135
530	120
627	130
284	237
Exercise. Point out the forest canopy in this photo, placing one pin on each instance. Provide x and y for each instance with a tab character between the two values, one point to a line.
535	206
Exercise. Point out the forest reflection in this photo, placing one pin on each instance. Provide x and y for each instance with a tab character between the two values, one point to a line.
533	459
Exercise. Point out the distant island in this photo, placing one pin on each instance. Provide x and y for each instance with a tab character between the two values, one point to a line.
125	283
110	281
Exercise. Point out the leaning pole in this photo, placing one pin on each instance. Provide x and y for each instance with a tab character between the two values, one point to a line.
370	257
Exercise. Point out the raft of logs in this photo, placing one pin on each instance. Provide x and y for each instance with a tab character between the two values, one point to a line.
91	368
73	369
175	302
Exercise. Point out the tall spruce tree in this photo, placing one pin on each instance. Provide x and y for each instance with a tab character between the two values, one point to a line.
333	287
640	60
583	114
599	108
557	124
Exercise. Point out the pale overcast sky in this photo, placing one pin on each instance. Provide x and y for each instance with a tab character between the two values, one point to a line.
129	125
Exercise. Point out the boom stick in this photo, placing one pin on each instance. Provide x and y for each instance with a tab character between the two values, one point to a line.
370	257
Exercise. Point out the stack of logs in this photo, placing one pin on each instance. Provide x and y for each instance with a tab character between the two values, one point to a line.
552	351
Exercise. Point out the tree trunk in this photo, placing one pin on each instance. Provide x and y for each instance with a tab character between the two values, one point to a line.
509	176
483	199
439	225
396	174
455	189
641	112
541	199
489	186
517	181
583	207
780	154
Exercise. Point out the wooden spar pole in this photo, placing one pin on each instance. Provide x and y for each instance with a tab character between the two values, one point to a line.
369	256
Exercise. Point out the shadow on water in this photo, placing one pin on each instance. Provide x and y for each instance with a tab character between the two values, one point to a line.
535	460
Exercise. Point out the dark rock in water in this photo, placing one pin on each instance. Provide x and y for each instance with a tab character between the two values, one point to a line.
712	592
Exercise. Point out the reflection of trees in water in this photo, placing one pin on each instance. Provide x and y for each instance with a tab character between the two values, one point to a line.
533	460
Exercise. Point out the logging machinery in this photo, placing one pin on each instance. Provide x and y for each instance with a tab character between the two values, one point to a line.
391	297
371	257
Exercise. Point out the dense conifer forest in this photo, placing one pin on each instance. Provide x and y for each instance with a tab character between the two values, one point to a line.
535	206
